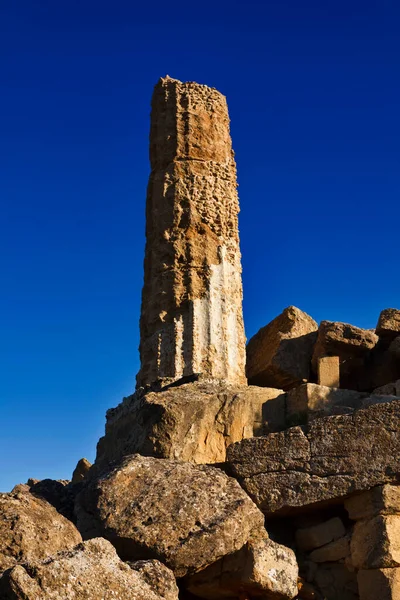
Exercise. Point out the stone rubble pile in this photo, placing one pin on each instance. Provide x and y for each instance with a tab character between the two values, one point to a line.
205	486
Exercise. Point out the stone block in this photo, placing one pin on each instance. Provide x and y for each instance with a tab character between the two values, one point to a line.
329	371
187	516
319	535
379	584
332	552
352	345
279	354
336	582
261	569
375	543
389	389
388	327
382	499
193	422
329	459
310	400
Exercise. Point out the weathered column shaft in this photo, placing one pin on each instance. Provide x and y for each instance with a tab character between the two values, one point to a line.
191	318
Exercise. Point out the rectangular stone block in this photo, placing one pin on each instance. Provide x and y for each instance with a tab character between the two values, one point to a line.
375	543
311	400
319	535
379	584
383	499
329	371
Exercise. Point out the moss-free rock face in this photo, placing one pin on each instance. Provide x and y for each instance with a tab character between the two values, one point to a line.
188	516
31	529
191	317
261	569
327	460
194	422
351	344
90	571
279	355
388	327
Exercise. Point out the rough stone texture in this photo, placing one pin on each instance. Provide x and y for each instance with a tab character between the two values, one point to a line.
383	499
352	344
158	577
389	389
193	422
90	571
375	543
336	582
188	516
332	552
330	459
388	327
329	371
261	569
191	319
81	471
382	584
319	535
279	354
32	529
59	493
310	401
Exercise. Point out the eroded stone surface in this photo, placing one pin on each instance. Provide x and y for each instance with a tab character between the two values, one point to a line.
81	470
351	344
32	529
90	571
327	460
191	318
261	569
329	371
309	538
382	584
193	422
188	516
279	355
383	499
375	542
388	326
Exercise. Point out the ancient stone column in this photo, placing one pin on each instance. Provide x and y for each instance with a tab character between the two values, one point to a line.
191	318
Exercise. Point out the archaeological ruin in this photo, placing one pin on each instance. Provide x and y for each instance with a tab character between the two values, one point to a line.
268	471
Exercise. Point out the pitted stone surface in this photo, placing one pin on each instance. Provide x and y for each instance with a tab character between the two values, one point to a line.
191	319
187	516
193	422
31	529
90	571
329	459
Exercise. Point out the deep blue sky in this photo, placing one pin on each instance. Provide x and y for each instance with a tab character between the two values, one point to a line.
313	92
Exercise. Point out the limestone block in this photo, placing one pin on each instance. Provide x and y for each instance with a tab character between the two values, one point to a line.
31	529
329	371
262	568
330	459
382	584
375	542
193	422
383	499
187	516
81	471
389	389
90	570
336	582
319	535
279	354
351	344
388	327
310	400
332	552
